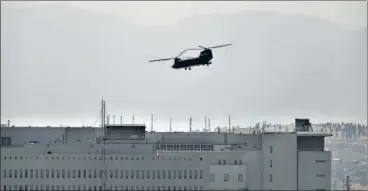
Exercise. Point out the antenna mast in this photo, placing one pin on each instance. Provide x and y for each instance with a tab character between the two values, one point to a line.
209	124
205	123
229	124
170	124
190	124
151	122
103	124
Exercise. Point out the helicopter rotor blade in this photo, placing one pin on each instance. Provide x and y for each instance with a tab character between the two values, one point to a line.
187	50
202	47
164	59
220	46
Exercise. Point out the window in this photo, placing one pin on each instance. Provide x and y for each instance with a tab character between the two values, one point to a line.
36	173
270	164
226	177
74	173
94	173
320	175
79	173
148	174
41	173
212	177
219	162
31	173
271	149
116	174
163	174
57	173
224	162
158	174
89	173
270	177
200	174
195	174
174	174
4	172
20	173
121	174
320	161
185	174
240	177
126	174
137	174
240	162
132	174
190	174
153	174
236	162
111	173
179	176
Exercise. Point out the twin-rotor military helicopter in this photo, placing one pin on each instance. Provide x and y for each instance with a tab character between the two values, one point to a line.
204	58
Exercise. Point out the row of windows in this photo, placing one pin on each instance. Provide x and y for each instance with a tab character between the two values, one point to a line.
185	147
92	173
236	162
96	188
226	177
96	158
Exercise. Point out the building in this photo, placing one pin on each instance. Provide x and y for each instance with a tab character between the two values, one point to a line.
126	157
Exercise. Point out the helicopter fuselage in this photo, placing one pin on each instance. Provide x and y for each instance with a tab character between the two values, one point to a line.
203	59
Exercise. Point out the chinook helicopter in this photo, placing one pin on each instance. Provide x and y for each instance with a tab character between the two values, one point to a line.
204	58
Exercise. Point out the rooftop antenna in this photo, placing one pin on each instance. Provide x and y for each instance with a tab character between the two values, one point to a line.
151	122
205	123
190	124
133	119
121	120
348	184
113	119
229	124
209	124
108	119
170	124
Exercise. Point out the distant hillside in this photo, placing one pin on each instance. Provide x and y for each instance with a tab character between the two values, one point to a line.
60	60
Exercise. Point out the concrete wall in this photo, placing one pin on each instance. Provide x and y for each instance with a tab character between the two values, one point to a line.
232	181
314	170
284	163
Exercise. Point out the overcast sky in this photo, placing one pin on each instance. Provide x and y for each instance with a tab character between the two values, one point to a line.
281	65
349	14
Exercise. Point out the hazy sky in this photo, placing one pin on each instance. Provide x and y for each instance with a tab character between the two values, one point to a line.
305	65
349	14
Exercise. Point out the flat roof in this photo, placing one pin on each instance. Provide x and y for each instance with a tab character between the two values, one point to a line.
313	134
